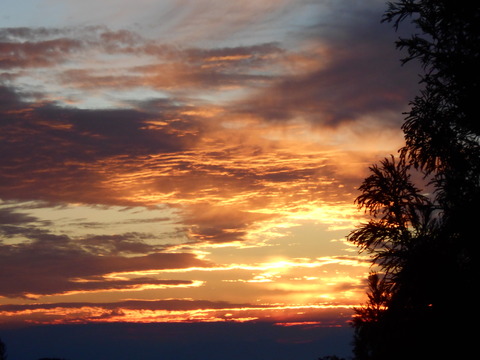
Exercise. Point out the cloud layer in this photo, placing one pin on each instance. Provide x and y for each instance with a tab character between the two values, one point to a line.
191	148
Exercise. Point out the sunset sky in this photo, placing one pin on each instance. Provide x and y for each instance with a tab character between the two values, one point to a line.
190	161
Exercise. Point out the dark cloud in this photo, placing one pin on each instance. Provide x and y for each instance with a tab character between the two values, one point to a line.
128	243
47	47
45	263
23	34
220	224
9	100
47	273
181	310
8	217
59	154
42	54
358	74
171	305
96	224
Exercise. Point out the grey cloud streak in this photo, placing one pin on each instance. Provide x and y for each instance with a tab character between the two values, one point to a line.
45	263
358	74
53	266
165	67
173	304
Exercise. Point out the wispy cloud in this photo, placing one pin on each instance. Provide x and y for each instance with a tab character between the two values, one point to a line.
172	311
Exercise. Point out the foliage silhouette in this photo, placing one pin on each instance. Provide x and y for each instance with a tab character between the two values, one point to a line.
330	357
3	351
398	237
422	246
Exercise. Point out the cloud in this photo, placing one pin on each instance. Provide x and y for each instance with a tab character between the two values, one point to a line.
14	218
34	272
353	71
128	243
170	305
178	70
59	154
46	47
44	263
174	310
95	57
221	224
148	155
27	54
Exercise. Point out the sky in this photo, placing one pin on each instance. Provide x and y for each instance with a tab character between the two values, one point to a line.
184	163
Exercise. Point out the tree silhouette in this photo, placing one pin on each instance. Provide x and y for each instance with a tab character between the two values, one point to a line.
400	214
442	133
401	226
3	351
422	247
368	319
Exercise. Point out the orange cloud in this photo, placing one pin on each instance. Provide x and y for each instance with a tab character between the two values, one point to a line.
175	311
